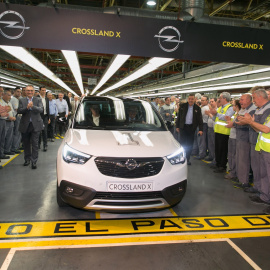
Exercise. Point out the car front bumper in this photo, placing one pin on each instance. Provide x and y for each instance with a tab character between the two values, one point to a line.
87	198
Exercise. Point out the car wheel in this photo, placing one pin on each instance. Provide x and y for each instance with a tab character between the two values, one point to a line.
60	201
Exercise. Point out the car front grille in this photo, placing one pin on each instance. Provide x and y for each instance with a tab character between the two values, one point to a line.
128	195
129	167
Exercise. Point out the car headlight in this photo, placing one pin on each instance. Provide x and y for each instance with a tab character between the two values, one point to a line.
177	157
74	156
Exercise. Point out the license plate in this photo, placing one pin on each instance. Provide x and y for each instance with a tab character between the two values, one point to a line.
129	187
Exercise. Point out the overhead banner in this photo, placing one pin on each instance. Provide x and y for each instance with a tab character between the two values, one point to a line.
86	31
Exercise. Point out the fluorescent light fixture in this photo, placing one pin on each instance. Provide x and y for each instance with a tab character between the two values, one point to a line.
23	55
115	64
150	66
73	62
8	86
11	80
211	79
151	3
213	88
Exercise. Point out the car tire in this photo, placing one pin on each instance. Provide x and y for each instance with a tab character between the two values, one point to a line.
60	201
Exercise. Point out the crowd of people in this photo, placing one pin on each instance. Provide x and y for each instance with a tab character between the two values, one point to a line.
29	119
233	135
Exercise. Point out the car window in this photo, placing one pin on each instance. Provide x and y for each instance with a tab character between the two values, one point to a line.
117	114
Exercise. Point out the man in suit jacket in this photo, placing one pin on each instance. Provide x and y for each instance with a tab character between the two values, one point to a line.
45	117
189	117
31	124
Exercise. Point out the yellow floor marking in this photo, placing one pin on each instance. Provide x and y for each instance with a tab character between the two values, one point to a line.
97	215
174	214
206	161
10	160
134	226
128	240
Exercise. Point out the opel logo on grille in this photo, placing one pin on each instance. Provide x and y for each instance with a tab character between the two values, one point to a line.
131	164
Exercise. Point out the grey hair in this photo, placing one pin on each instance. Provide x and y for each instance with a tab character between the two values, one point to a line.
249	96
198	96
226	95
261	93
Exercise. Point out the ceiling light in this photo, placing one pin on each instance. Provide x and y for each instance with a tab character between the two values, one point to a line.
23	55
150	66
115	64
8	86
11	80
73	62
213	88
211	79
151	3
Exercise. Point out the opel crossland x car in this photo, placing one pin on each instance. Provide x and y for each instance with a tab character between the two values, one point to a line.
118	155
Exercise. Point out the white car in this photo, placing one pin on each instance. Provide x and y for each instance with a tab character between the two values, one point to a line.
118	155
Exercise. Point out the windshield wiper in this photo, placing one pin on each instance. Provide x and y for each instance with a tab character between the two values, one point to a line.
88	127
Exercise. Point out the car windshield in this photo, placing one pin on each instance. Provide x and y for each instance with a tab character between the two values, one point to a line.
117	114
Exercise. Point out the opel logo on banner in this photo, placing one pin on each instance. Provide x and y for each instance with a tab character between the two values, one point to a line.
12	24
131	164
169	38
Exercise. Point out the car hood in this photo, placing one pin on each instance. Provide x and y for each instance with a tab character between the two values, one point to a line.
122	143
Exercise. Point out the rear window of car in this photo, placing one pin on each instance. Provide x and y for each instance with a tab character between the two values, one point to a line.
118	114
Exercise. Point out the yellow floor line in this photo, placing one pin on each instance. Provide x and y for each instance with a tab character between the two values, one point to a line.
10	160
171	210
207	162
97	215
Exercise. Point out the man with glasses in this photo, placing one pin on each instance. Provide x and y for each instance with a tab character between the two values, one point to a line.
31	124
221	131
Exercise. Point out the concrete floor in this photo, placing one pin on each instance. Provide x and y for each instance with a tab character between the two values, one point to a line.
28	195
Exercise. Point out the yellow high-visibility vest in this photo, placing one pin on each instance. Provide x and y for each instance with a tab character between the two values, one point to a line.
263	142
220	124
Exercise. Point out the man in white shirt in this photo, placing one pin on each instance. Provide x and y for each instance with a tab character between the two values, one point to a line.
52	117
63	112
45	117
10	119
203	139
3	113
17	136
